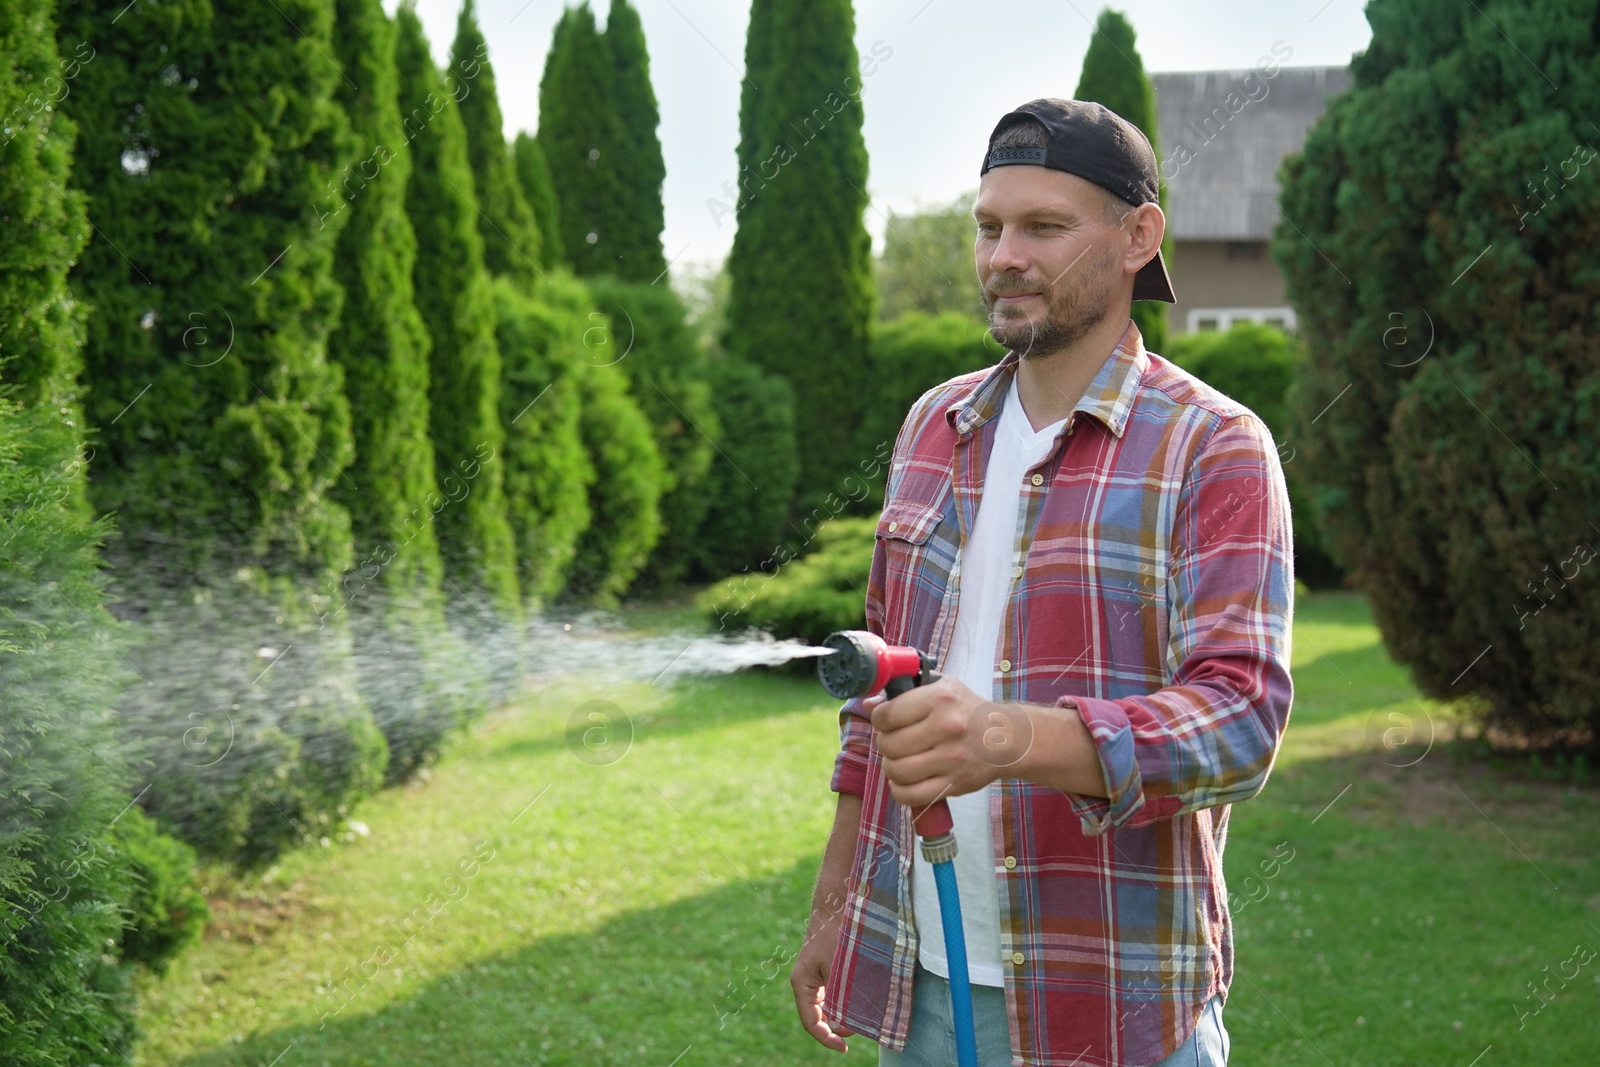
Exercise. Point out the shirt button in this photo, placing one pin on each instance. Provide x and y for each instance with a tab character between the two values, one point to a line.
1011	863
893	526
1005	665
1038	479
1016	957
1016	572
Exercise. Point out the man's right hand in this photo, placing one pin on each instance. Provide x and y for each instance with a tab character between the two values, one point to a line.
809	979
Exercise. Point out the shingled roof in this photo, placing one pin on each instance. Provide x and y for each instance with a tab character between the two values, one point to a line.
1224	131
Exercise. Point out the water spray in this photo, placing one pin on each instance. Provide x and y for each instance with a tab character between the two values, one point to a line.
860	663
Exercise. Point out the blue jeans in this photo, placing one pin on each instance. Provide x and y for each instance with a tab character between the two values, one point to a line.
932	1041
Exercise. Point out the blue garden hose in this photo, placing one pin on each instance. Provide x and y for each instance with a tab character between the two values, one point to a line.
955	947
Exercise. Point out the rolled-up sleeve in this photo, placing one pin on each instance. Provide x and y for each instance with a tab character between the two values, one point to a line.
1211	736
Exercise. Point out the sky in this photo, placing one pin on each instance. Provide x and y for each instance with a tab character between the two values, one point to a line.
952	68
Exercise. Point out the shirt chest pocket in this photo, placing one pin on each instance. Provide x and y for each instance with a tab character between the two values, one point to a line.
920	543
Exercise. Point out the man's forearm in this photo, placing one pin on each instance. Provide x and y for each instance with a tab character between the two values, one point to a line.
827	900
1059	753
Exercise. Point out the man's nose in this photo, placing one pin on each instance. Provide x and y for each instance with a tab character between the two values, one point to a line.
1008	253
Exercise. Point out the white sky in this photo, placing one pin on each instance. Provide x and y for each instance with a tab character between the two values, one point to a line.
957	66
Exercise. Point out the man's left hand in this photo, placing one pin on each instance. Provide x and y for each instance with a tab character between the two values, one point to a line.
938	741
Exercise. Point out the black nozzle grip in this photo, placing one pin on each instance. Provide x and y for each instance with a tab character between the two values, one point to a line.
907	682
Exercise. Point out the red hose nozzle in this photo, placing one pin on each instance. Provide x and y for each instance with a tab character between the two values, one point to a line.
863	663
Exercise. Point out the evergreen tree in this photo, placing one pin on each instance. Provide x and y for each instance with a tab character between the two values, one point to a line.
209	141
577	127
752	480
453	295
511	238
534	173
633	221
393	594
666	369
548	473
1113	75
63	998
801	265
625	498
1438	243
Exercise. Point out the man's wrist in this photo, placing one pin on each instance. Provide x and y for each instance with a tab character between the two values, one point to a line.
1061	751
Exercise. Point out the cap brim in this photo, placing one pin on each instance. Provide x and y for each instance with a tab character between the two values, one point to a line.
1152	283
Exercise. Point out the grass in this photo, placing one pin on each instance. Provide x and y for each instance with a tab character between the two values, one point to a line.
637	905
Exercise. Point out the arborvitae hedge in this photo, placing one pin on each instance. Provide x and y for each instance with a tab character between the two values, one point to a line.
625	499
548	473
577	123
909	356
751	482
83	886
410	670
453	294
533	171
1113	75
633	220
801	263
511	238
653	346
1439	237
210	139
63	998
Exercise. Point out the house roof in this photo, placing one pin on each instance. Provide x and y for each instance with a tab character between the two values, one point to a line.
1224	131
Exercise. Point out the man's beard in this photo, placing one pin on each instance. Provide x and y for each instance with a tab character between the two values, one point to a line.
1071	311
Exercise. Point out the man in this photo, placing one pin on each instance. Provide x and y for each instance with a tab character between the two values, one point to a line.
1096	548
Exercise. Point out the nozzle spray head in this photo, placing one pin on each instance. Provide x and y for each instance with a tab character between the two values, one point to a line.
863	663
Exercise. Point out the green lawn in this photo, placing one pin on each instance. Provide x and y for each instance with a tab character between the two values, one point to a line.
628	912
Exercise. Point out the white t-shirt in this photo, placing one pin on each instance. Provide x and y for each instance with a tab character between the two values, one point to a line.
986	577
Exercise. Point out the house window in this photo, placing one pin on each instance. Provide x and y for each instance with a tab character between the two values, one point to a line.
1201	319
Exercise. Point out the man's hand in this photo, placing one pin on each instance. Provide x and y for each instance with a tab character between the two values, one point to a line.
809	979
943	740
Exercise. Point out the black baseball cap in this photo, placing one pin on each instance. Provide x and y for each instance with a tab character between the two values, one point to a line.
1098	145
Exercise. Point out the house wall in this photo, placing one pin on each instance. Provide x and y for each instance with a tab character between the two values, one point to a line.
1236	279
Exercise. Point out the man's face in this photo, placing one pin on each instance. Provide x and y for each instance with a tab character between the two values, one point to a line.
1050	260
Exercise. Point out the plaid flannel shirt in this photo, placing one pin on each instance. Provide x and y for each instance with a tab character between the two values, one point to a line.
1155	594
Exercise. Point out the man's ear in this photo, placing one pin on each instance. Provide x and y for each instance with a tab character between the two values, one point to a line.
1147	226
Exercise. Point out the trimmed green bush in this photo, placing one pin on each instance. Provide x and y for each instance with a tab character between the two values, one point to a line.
1438	243
63	999
511	238
548	475
1113	75
410	668
666	370
533	172
577	127
908	357
452	289
801	265
806	598
755	411
632	220
624	501
210	139
165	909
1258	366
